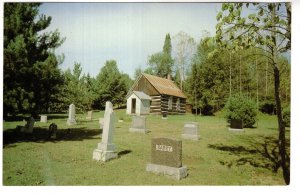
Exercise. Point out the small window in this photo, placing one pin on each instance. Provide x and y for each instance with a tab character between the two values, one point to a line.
170	102
178	104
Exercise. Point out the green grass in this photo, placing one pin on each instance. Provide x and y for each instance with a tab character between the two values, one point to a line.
220	157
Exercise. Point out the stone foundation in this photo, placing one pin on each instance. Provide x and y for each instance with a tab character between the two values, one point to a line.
236	130
104	156
191	137
172	172
138	130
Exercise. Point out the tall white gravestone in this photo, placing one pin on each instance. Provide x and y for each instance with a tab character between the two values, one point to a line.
101	121
89	115
71	119
106	149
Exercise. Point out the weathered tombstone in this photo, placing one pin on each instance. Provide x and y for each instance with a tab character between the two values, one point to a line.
138	124
106	149
236	125
89	115
101	122
71	119
166	158
52	131
191	131
164	115
28	128
43	119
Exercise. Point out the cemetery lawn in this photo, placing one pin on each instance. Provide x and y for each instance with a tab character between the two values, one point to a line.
220	157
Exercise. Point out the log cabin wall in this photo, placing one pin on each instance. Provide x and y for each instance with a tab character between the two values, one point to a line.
173	108
155	105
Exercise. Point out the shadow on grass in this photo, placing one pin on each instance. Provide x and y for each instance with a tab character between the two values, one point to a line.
124	152
263	153
41	135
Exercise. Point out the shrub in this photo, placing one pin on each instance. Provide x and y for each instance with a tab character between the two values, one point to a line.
286	114
242	108
268	107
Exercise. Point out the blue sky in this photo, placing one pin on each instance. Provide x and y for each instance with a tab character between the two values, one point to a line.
126	32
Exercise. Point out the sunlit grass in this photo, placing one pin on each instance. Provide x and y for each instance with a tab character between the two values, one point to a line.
220	157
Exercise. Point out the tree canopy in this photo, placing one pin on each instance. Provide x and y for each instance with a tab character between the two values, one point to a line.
268	29
31	74
161	63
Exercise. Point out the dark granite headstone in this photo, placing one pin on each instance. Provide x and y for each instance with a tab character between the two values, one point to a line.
52	131
164	114
236	124
167	152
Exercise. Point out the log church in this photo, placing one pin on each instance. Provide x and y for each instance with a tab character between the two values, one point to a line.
165	96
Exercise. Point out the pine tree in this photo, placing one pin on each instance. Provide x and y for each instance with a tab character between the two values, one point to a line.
111	85
31	74
162	62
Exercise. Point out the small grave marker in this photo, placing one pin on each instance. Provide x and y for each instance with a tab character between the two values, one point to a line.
191	131
236	125
43	119
138	124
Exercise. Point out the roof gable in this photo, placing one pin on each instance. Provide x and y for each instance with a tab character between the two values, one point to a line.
164	86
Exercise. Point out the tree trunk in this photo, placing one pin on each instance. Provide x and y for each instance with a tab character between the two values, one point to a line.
281	138
230	74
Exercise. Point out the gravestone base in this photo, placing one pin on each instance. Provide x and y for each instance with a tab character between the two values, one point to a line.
26	129
88	118
172	172
71	122
236	130
138	130
53	136
102	155
191	137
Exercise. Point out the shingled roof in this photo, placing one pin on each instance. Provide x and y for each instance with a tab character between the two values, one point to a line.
164	86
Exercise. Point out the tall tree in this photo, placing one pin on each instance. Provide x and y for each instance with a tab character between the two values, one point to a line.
184	50
76	89
110	85
268	29
162	62
31	74
207	83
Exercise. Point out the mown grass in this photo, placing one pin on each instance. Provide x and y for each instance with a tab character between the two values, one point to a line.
220	157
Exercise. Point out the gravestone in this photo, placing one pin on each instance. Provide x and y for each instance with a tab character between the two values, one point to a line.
106	149
52	131
28	128
71	119
191	131
236	125
164	115
101	122
166	158
138	124
43	119
89	115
